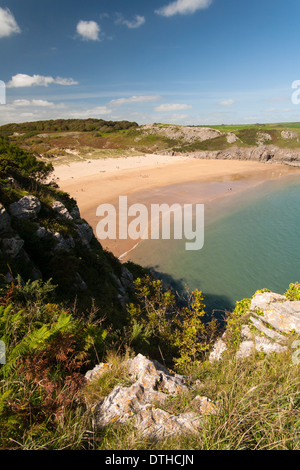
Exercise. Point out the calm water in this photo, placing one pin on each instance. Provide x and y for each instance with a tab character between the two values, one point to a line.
252	241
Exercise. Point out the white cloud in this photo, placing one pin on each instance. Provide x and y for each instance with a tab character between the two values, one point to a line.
88	30
136	23
229	102
172	107
38	103
95	112
23	80
134	99
65	81
8	24
183	7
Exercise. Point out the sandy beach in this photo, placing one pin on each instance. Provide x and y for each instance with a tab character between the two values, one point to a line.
156	179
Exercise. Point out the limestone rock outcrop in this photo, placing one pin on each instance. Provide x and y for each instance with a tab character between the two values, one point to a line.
272	319
141	402
41	239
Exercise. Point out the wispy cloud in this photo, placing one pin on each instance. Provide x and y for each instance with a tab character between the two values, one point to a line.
8	24
135	23
229	102
22	80
88	30
134	99
183	7
277	99
172	107
95	112
36	103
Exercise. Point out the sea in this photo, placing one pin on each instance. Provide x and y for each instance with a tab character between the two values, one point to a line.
251	242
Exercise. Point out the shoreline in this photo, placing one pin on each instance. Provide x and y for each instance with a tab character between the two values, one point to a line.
158	179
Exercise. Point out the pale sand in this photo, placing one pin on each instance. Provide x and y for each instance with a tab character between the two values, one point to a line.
103	181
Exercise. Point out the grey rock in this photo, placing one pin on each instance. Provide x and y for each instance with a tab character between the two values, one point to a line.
158	424
260	326
12	246
152	384
276	311
75	213
42	233
152	373
79	282
26	208
63	244
4	220
288	135
272	318
127	280
218	349
98	371
85	232
262	153
61	210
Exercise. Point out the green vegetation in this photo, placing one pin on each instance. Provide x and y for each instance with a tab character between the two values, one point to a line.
217	143
45	403
54	333
21	174
65	125
163	330
16	162
77	139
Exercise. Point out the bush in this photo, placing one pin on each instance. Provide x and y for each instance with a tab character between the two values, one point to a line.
16	162
48	350
163	329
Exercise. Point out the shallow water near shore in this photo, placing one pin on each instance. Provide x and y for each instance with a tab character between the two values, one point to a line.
252	241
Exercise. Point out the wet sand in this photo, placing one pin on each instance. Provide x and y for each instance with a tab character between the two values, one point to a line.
158	179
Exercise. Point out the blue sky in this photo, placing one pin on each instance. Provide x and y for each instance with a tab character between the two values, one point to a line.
173	61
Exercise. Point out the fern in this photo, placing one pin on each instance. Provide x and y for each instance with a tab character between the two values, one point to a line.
4	397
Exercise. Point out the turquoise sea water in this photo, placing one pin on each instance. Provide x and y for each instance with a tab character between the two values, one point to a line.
252	241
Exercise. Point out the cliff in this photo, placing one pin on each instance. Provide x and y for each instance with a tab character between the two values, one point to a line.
262	153
42	236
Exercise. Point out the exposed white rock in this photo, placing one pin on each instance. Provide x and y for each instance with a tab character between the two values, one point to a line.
152	384
263	137
98	370
289	135
185	133
157	424
276	311
272	318
218	349
61	210
231	138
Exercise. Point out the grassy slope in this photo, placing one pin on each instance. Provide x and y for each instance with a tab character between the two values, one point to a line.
59	142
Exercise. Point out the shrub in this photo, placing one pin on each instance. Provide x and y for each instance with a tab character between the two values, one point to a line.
48	350
162	328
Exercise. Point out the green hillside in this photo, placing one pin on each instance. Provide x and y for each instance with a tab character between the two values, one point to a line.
60	141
